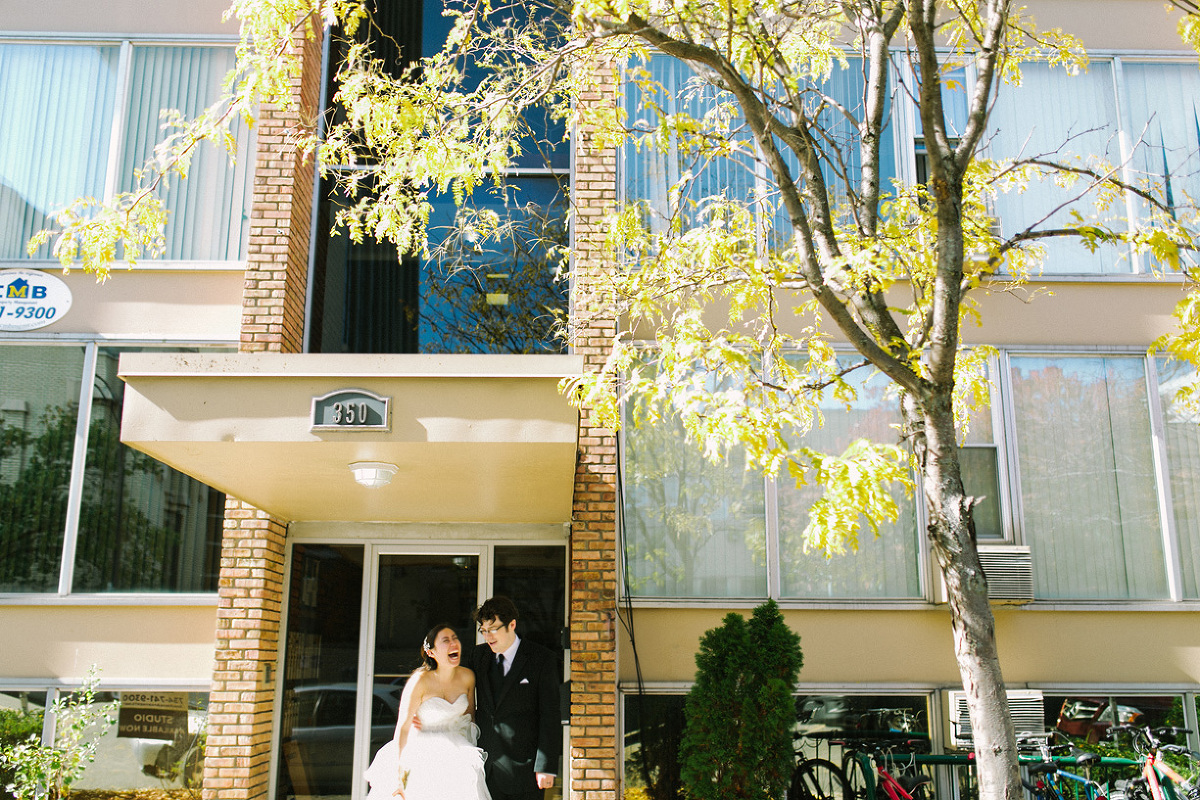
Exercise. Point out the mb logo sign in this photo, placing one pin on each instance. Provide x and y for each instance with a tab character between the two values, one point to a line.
31	299
21	288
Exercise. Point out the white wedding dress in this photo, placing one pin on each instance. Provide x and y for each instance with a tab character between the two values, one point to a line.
440	761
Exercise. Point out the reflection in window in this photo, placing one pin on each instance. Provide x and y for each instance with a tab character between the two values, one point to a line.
22	714
883	566
468	293
1088	488
1182	434
142	526
160	754
654	173
1160	101
167	755
654	730
39	408
320	673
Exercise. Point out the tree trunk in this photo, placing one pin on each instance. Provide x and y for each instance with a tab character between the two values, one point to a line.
952	537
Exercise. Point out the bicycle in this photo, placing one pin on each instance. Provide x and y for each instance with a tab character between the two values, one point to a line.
865	766
1158	780
818	779
1049	780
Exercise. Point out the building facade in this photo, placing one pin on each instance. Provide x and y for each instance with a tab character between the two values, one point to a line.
187	455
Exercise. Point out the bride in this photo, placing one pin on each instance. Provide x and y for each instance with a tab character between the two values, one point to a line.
436	759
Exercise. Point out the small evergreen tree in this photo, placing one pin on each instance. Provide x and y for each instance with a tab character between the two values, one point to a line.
737	742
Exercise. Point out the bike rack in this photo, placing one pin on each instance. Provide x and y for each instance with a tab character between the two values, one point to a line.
968	760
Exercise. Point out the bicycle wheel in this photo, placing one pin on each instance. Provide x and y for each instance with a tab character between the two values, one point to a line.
857	786
818	779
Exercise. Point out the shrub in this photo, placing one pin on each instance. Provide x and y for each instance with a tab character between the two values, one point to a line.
737	742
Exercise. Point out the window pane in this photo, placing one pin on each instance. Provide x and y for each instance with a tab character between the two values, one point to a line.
1164	127
209	209
1182	433
21	716
498	296
1085	719
316	729
692	528
164	754
885	566
504	296
651	171
143	526
536	577
981	478
39	406
653	734
1058	117
56	105
1087	477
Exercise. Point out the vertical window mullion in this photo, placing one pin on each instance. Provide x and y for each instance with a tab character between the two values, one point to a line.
997	403
1128	175
1190	721
112	176
66	573
1010	460
1162	477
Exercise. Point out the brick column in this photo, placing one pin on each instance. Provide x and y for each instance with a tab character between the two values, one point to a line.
237	761
595	740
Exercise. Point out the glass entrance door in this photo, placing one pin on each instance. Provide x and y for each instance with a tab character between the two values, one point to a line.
416	591
355	619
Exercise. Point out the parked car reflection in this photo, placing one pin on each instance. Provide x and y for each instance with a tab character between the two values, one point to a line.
319	753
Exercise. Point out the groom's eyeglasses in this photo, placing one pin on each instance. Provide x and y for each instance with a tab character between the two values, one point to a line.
492	630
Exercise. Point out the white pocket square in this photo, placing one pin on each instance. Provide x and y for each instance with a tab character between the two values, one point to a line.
524	680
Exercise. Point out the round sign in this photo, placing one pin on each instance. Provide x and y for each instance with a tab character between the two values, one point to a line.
31	299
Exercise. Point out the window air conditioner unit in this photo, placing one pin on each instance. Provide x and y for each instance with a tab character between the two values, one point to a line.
1009	571
1024	705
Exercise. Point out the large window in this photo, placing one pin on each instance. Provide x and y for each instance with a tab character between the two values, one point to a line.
79	119
1134	115
883	566
673	182
134	756
79	511
1088	490
698	528
654	725
1087	460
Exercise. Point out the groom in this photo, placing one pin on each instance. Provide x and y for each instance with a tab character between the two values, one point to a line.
516	705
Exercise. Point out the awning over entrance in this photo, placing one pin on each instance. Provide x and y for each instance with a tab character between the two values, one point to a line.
473	438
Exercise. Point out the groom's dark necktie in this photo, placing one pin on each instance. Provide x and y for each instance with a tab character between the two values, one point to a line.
497	673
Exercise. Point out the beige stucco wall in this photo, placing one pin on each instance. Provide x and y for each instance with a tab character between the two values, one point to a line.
127	642
148	303
119	17
845	647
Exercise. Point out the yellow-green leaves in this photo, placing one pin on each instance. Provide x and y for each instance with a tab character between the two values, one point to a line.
857	492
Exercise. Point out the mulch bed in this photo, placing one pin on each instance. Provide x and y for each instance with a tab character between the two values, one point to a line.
134	794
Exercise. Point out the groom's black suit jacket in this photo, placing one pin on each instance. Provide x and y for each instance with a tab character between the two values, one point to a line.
519	724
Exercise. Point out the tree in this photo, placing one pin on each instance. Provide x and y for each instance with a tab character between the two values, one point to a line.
890	267
737	742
